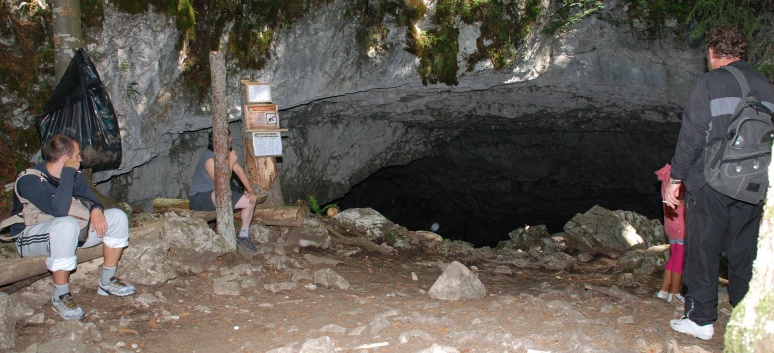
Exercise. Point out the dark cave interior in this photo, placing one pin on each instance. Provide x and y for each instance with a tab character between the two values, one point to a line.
482	185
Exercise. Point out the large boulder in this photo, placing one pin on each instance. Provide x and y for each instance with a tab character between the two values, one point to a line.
525	237
457	282
191	240
643	262
651	230
312	234
146	261
368	221
601	231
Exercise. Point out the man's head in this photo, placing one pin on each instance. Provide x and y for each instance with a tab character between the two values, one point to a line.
726	44
211	147
60	146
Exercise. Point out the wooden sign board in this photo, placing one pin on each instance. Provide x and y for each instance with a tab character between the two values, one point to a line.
257	92
267	144
261	117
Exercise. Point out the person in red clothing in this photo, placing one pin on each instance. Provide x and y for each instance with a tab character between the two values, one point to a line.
674	226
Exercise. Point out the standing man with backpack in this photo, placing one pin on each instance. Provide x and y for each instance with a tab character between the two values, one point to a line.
724	195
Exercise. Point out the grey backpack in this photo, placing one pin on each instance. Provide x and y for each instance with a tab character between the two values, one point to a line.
738	164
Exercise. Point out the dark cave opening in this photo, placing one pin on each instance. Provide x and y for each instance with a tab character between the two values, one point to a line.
480	186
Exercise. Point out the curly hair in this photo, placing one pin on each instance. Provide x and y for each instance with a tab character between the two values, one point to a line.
58	146
728	42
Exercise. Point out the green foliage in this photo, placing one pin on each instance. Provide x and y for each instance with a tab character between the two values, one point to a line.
504	25
92	13
754	17
315	207
569	12
659	18
254	23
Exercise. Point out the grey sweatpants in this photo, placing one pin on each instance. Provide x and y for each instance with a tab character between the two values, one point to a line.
58	239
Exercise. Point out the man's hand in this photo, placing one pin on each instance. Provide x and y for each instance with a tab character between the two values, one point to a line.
98	222
671	195
73	163
251	197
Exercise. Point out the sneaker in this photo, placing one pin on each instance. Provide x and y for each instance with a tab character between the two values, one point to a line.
676	297
246	243
685	325
67	308
115	287
662	294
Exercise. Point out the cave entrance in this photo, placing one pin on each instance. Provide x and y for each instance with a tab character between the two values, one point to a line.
481	185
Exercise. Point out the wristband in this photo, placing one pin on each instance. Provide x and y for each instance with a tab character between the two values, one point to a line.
675	181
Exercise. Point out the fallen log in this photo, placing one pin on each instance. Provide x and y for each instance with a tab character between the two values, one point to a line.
292	216
14	270
266	215
161	205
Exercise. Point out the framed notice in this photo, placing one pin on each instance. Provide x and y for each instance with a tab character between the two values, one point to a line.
267	144
261	117
258	92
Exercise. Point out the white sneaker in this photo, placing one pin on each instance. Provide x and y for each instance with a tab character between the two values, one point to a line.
686	326
662	294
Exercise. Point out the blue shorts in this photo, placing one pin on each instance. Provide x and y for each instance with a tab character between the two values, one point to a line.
203	201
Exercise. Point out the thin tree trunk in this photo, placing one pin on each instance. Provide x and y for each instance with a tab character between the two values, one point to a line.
750	327
67	33
223	208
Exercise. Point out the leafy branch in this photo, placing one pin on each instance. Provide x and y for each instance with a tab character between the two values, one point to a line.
314	206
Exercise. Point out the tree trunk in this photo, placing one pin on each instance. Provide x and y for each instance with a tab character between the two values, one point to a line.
750	327
223	208
67	33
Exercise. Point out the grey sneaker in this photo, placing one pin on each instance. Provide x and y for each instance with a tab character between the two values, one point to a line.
115	287
246	243
67	308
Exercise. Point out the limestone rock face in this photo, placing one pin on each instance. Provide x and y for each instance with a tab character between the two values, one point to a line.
560	125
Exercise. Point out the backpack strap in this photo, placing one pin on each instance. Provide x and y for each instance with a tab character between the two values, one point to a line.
754	103
739	78
17	218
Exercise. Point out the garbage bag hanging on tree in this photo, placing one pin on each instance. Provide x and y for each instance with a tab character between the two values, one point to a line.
80	108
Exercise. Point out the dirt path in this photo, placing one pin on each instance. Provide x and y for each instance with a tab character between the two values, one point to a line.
530	310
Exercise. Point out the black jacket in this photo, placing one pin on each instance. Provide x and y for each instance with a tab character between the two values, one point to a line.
707	115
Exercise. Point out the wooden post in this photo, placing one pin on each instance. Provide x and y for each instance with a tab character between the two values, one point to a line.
223	208
263	174
262	171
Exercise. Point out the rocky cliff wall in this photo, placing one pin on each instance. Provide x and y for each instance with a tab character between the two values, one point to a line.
352	112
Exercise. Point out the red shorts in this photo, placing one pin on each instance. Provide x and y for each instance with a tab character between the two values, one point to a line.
675	263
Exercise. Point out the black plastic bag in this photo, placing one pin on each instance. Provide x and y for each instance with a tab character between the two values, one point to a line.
81	108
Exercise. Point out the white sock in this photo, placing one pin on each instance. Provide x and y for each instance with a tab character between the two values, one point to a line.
244	232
